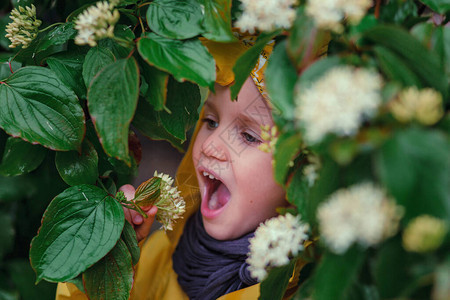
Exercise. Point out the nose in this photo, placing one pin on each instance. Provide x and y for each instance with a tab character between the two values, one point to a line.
213	147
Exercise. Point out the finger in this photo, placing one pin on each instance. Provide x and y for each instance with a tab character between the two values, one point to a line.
143	230
128	190
128	216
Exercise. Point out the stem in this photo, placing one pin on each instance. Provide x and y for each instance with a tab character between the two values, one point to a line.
135	207
102	185
10	67
48	27
377	9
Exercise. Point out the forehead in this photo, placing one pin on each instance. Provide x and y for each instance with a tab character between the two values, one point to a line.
250	105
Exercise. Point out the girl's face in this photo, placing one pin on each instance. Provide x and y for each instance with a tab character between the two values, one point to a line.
235	178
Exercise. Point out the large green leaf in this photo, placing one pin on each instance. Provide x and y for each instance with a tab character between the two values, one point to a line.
36	106
218	20
183	100
148	122
78	168
281	77
305	41
96	59
414	166
274	286
112	101
247	61
185	60
80	226
157	81
287	146
391	269
68	68
130	240
424	63
58	35
175	19
111	277
122	49
440	6
20	157
395	68
336	273
441	36
297	192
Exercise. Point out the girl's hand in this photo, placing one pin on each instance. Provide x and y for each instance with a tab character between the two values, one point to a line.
140	224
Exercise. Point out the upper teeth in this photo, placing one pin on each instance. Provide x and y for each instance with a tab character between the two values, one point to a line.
206	174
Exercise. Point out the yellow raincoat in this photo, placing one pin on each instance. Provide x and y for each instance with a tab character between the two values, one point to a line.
155	277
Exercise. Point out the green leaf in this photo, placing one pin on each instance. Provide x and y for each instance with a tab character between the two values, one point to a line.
415	174
5	70
247	61
287	146
336	273
185	60
218	20
58	35
96	59
157	86
297	192
440	6
395	68
175	19
148	122
305	42
441	36
120	50
274	286
280	77
391	269
425	64
111	277
78	168
80	226
112	101
317	70
68	68
183	100
38	107
130	240
21	157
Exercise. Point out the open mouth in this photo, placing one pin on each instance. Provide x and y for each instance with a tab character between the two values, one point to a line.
216	194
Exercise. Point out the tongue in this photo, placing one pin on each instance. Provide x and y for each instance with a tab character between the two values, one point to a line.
219	197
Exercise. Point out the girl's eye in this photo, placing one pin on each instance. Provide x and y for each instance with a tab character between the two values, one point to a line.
250	138
211	124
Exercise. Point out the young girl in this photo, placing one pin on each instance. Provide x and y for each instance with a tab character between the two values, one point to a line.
229	189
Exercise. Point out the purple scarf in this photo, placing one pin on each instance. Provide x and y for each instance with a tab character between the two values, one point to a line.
208	268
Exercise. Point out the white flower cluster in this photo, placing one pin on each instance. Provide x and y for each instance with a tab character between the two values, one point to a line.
338	102
171	205
361	214
24	26
423	105
274	243
96	22
329	14
266	15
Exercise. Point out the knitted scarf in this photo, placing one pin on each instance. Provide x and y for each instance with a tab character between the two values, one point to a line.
208	268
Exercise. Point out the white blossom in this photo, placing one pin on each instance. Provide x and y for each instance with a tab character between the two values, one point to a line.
338	102
24	26
330	14
360	214
171	205
266	15
274	243
96	22
424	105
